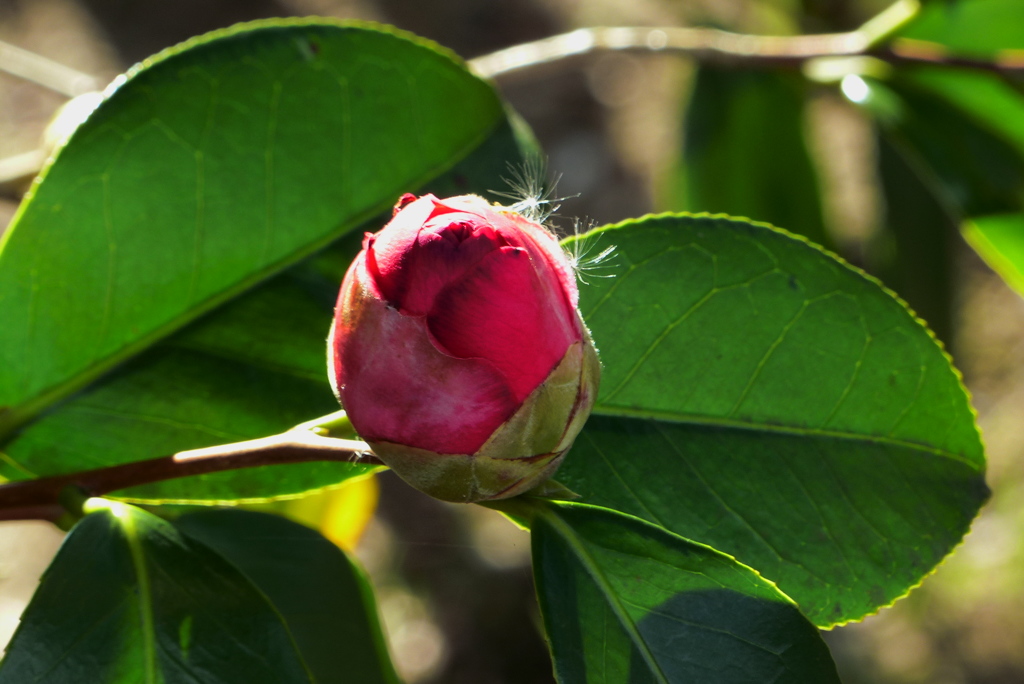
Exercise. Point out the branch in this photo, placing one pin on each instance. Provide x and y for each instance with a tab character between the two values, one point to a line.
45	72
42	498
703	44
724	47
16	171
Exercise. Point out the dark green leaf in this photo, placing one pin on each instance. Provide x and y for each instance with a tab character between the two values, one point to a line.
215	165
973	161
913	253
129	598
744	151
324	598
625	601
962	134
762	397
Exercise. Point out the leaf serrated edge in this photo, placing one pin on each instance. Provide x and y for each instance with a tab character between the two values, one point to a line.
982	467
963	539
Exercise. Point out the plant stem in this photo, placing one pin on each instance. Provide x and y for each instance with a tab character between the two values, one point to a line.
41	498
702	44
889	21
714	45
45	72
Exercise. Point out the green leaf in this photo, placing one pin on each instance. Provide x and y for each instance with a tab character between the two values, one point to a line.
972	160
625	601
130	598
213	166
977	28
764	398
325	599
745	154
999	239
253	367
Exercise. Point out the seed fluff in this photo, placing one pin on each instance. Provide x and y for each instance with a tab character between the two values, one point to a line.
534	197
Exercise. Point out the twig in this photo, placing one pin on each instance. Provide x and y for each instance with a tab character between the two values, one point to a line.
16	171
722	47
41	498
702	44
45	72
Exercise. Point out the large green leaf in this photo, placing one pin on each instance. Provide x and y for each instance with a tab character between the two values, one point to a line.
762	397
214	165
625	601
323	596
253	367
133	598
744	151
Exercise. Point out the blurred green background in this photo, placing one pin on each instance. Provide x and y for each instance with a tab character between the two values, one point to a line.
454	581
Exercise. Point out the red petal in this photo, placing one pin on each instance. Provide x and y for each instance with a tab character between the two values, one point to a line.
407	198
427	245
447	248
387	250
508	313
397	387
537	237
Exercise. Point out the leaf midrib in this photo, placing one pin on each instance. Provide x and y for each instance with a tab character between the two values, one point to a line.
131	536
774	428
587	561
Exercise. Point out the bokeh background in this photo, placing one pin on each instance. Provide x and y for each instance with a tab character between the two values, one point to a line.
454	582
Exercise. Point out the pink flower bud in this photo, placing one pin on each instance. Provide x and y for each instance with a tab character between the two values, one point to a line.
457	349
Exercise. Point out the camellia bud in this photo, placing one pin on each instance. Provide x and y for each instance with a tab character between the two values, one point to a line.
457	350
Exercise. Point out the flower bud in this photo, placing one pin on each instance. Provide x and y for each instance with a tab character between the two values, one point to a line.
457	350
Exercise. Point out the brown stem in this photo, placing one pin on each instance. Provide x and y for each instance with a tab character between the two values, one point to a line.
41	498
45	72
714	46
702	44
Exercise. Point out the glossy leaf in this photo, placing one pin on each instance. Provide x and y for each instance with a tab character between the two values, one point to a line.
213	166
999	239
324	598
253	367
745	154
130	598
625	601
763	398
